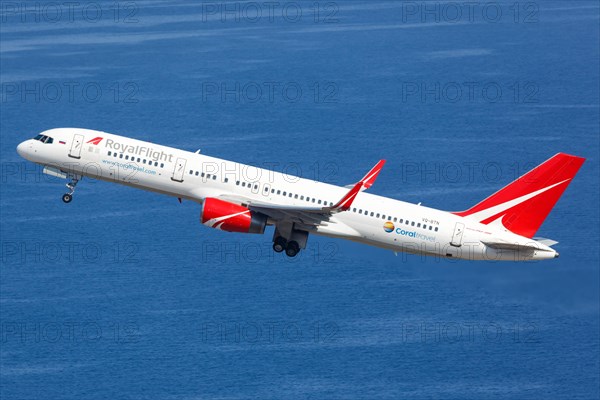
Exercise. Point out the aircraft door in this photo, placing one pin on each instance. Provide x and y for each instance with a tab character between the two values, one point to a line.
458	234
179	170
75	151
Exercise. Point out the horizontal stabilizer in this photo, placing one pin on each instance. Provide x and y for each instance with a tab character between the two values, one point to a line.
547	242
514	246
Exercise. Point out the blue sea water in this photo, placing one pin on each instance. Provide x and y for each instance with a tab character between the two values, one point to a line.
123	294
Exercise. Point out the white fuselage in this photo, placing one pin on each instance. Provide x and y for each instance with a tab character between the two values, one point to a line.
411	228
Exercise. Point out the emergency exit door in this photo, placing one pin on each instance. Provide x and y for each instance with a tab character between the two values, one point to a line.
458	234
179	170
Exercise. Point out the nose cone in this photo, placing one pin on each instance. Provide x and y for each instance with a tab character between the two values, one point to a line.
23	149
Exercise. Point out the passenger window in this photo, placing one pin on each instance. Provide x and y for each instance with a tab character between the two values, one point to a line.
156	163
272	191
319	201
243	184
372	213
412	223
396	219
290	195
278	191
284	193
436	229
162	165
237	183
226	180
197	173
377	215
430	227
296	196
127	157
109	153
138	160
419	225
144	161
121	155
191	172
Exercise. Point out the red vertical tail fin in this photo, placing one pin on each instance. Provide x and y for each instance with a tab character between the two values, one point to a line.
523	205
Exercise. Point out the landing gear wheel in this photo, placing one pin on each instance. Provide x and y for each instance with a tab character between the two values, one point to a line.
279	244
67	198
292	249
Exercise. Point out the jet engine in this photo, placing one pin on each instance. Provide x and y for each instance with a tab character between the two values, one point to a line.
231	217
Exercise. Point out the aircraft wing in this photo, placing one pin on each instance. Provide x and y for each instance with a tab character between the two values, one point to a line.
308	216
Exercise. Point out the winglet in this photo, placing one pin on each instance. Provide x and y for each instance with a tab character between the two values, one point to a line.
369	179
366	182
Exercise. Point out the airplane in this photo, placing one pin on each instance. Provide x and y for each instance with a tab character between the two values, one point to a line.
241	198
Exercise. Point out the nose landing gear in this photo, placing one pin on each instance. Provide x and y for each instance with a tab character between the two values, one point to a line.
67	197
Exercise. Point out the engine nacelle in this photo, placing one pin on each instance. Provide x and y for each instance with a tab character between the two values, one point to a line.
231	217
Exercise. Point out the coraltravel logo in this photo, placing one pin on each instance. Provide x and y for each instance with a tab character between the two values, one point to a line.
389	228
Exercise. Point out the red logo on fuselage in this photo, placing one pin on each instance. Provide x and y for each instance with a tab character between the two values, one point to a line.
95	140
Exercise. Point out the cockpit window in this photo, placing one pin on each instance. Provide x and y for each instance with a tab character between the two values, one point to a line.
44	139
